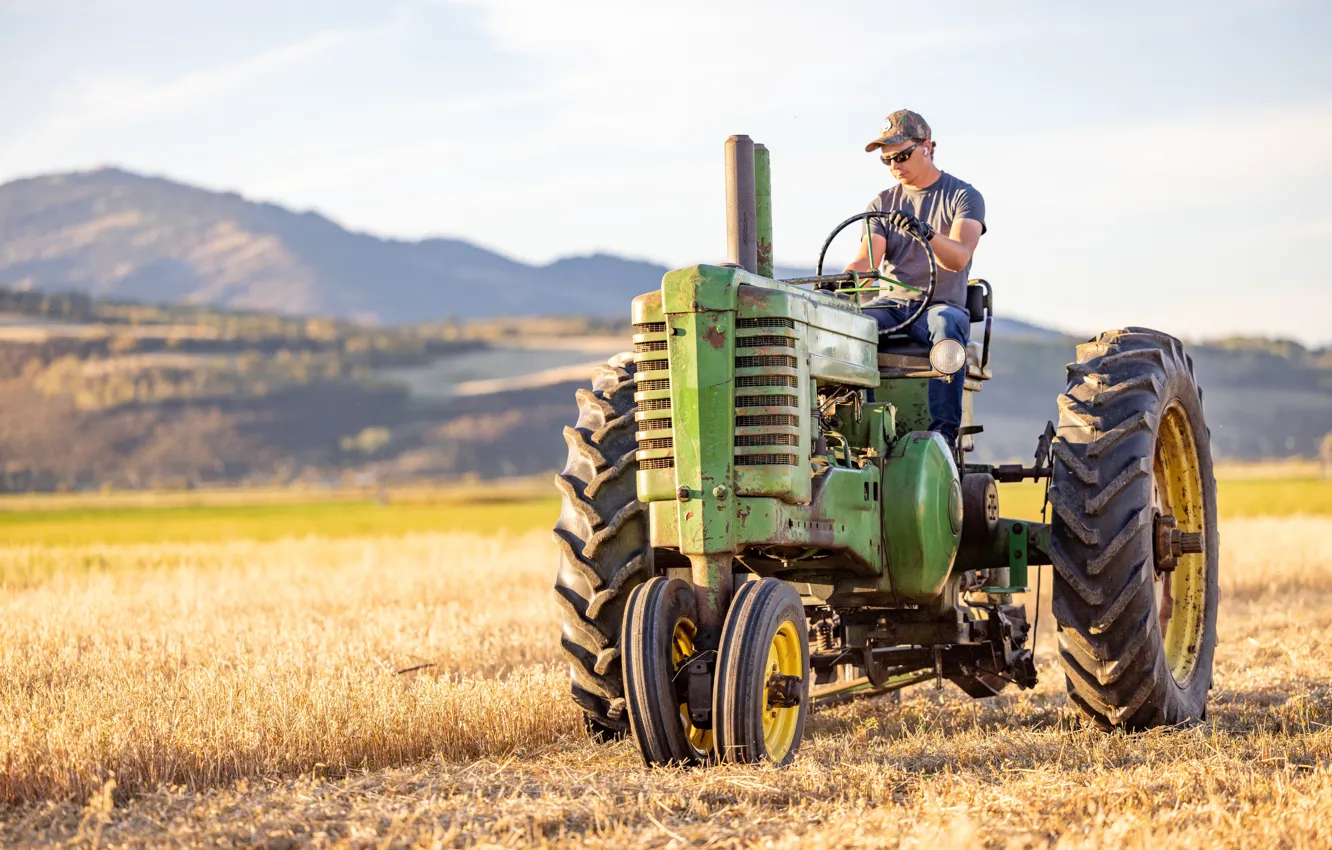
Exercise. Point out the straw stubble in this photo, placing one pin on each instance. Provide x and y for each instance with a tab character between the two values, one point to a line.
252	692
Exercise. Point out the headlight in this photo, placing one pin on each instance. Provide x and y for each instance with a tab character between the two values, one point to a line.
948	356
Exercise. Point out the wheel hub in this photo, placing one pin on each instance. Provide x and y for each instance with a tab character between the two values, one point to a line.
785	691
1169	543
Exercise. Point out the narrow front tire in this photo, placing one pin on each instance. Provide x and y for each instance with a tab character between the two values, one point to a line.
761	692
660	629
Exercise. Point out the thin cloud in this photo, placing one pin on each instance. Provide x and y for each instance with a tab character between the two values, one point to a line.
617	68
110	102
118	101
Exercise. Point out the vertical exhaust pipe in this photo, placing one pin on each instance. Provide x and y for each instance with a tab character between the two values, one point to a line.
741	226
763	208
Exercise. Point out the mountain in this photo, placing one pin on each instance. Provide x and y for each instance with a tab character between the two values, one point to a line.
113	234
117	235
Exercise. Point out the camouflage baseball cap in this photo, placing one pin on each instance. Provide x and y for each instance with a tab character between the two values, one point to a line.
899	127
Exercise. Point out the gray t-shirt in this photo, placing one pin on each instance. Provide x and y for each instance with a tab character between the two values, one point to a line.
942	203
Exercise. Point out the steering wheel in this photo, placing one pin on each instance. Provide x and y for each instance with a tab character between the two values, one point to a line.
912	230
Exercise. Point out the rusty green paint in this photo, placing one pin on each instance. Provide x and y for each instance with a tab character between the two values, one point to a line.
840	517
700	326
699	288
763	208
910	399
874	430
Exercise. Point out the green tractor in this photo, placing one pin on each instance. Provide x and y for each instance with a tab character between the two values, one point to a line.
755	518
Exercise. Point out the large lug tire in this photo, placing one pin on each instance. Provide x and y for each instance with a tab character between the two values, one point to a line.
1136	639
660	629
765	638
605	551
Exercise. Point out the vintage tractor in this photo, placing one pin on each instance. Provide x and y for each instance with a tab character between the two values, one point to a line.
755	517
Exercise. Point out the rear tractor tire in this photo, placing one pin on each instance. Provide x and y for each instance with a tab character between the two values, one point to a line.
760	696
605	551
1135	595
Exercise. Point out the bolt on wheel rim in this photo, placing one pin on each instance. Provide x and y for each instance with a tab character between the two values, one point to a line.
1181	594
779	723
682	648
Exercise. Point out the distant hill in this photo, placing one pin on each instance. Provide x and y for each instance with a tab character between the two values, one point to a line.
117	235
98	393
113	234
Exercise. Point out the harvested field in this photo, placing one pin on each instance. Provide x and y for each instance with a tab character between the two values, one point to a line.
250	693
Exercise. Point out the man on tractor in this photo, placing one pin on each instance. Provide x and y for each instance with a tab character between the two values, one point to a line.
951	217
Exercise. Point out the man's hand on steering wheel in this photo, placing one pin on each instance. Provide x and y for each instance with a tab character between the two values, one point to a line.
910	224
913	228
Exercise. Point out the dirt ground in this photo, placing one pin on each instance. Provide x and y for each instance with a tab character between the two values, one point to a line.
252	694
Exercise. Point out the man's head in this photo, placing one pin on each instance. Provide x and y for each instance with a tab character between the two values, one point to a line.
905	146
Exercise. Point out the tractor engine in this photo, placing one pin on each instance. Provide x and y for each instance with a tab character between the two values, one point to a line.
754	442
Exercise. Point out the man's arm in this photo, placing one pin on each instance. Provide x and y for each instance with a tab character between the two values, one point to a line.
955	250
862	262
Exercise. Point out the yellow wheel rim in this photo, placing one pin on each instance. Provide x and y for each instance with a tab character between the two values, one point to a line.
1182	594
682	647
779	724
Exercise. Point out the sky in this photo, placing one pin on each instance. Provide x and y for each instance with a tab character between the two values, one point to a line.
1166	164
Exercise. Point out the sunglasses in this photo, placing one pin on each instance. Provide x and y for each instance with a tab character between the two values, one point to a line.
901	156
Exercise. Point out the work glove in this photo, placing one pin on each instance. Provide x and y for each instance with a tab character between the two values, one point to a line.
910	224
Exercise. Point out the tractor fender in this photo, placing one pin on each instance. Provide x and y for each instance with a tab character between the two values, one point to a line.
922	515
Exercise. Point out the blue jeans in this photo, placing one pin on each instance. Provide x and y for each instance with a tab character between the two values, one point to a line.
939	321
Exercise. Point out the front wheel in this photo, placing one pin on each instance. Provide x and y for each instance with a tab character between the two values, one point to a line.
1134	540
660	629
761	694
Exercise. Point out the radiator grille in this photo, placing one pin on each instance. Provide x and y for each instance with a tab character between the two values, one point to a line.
784	361
766	380
650	357
787	442
765	322
765	401
761	341
767	440
766	460
657	463
768	419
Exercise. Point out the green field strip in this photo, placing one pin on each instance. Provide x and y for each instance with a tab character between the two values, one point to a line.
271	522
133	525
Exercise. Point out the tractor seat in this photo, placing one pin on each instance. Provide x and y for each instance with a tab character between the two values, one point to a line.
899	355
902	346
898	352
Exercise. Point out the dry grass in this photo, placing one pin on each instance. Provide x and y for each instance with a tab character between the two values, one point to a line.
253	659
248	694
